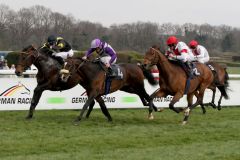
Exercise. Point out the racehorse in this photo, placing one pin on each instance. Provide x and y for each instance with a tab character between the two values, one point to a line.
48	77
173	81
93	77
220	81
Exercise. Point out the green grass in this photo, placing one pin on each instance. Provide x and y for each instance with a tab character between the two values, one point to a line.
131	136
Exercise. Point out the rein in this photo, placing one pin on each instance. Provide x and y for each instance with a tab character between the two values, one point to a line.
30	54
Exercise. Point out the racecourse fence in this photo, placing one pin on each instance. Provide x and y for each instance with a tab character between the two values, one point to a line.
16	94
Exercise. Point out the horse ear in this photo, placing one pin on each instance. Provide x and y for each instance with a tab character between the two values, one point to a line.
33	46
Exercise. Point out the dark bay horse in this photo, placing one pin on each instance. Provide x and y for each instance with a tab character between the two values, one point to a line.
173	81
93	78
47	76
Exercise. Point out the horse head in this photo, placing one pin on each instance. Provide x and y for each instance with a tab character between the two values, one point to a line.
153	56
26	58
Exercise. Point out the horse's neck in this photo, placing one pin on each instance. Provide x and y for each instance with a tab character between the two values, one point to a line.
43	62
165	67
89	70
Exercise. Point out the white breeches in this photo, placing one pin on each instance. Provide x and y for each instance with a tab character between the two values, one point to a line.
64	55
203	60
106	60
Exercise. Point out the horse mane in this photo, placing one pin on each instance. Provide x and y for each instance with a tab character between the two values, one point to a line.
159	48
28	47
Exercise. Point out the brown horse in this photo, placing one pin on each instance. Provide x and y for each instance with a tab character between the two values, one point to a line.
48	77
220	81
173	80
93	77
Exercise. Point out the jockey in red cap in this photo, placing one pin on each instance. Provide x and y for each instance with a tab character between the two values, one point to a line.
200	53
181	52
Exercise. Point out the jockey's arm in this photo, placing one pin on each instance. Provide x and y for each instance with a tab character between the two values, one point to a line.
89	52
200	52
111	53
183	55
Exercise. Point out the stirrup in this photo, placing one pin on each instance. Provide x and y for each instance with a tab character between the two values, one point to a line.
64	71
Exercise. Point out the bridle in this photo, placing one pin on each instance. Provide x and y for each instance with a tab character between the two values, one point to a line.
28	53
156	58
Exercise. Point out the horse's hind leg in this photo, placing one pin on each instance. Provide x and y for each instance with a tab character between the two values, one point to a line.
212	103
35	99
175	99
219	102
103	108
90	108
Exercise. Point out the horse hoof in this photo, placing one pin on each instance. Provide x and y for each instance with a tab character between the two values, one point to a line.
219	108
29	117
150	116
110	120
76	122
184	123
213	105
160	110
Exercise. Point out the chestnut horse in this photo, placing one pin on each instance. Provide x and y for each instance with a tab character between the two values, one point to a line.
93	77
173	81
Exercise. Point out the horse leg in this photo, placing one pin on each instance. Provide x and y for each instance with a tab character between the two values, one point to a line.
158	93
198	102
219	102
90	108
202	105
145	98
212	103
175	99
104	108
85	106
35	99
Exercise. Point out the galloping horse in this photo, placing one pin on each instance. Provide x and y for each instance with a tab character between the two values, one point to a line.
47	77
93	78
220	81
173	81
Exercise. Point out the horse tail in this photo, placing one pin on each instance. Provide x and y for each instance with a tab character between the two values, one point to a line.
148	74
223	88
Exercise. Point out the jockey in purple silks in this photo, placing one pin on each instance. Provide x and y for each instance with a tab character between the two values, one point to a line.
107	54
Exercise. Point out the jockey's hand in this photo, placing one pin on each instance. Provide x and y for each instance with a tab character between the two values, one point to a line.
171	56
107	65
84	58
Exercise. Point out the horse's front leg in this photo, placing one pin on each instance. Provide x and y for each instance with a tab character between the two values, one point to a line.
85	106
35	99
174	100
158	93
90	109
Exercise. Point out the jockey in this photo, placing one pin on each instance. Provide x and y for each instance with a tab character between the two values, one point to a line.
200	53
60	48
107	54
181	52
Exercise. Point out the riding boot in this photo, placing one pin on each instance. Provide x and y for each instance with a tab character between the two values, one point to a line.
110	72
189	70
